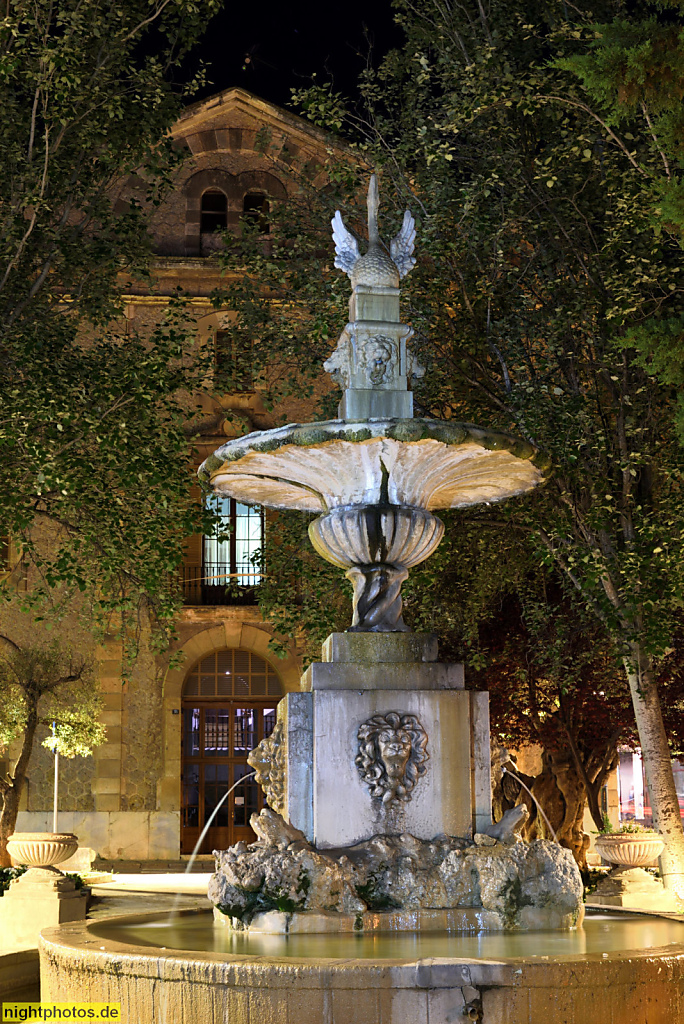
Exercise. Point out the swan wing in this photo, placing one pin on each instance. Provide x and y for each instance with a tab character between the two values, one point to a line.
401	247
346	245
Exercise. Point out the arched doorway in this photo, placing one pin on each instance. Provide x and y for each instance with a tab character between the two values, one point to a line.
229	705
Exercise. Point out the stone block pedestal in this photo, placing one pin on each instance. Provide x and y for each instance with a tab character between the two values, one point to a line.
634	888
40	898
383	740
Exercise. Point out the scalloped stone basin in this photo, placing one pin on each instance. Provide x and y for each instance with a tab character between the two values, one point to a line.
630	850
419	463
617	968
383	534
41	849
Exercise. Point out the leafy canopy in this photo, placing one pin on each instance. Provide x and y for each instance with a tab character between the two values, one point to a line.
94	488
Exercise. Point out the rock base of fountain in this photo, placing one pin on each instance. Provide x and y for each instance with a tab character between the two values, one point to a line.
283	884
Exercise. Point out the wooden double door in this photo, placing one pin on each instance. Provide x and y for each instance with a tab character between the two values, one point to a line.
217	737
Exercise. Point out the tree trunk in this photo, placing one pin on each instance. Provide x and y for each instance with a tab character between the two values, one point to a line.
658	766
11	792
8	821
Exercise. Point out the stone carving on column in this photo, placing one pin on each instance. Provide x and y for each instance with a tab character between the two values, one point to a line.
268	759
392	755
380	359
340	364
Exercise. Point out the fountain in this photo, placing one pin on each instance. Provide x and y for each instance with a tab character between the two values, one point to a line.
379	888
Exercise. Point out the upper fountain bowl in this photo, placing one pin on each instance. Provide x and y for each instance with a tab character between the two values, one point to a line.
420	463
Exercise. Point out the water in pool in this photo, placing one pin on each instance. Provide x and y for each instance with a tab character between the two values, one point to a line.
600	933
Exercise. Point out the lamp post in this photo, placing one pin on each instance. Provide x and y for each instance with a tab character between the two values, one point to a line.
56	790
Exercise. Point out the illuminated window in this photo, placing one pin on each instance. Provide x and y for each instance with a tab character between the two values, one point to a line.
229	705
232	672
230	556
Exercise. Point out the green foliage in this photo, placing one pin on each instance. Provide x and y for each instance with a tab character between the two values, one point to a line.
78	880
303	596
590	880
629	828
8	875
93	485
544	268
265	899
374	896
42	686
633	75
537	257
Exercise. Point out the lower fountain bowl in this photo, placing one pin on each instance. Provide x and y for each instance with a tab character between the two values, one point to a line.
380	534
366	983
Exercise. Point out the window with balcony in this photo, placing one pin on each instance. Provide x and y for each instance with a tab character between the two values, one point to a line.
229	572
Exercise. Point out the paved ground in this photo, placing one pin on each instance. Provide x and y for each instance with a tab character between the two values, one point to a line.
194	884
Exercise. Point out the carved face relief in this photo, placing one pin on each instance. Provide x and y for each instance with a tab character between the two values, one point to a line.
378	357
394	747
392	755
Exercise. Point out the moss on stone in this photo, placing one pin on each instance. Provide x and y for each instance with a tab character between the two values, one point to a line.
373	894
513	901
407	430
312	435
250	902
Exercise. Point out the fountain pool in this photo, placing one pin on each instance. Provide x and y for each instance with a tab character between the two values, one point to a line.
615	968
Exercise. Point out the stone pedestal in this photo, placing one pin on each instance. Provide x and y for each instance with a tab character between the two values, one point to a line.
634	888
40	898
383	740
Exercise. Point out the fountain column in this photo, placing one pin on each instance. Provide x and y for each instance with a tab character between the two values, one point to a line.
384	740
377	773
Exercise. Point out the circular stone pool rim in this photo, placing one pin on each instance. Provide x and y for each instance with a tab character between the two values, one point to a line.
170	986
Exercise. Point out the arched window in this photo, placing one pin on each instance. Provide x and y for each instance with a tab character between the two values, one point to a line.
229	706
255	209
213	211
232	672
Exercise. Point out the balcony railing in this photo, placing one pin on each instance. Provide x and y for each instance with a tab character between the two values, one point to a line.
214	584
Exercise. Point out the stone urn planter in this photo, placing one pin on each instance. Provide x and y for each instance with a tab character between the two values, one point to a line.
630	849
43	896
627	884
41	849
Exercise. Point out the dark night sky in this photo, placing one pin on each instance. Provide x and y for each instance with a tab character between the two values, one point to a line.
269	47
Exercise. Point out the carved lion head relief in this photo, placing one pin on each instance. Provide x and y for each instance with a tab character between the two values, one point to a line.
392	755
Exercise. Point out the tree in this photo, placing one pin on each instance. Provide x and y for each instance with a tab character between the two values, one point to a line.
42	685
538	266
94	486
540	237
632	71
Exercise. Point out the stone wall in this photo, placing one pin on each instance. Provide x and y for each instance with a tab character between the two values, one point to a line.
76	776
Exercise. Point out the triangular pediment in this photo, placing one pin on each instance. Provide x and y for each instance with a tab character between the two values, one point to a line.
216	123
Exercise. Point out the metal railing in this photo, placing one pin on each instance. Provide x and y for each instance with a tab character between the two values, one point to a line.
214	584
